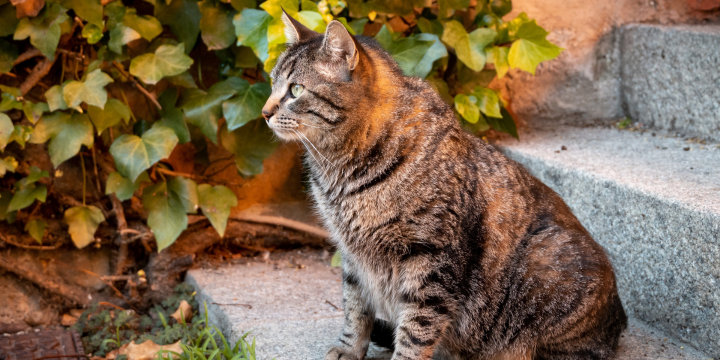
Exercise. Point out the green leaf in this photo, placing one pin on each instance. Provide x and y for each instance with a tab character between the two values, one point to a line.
273	55
239	5
251	28
8	54
183	17
246	105
505	124
5	197
205	109
430	26
34	176
251	145
88	10
114	111
21	134
134	154
8	20
488	102
7	164
166	214
470	48
36	229
93	33
408	52
244	57
467	107
172	117
531	48
27	195
498	56
441	87
91	91
168	60
313	20
218	31
216	203
122	187
67	133
147	26
44	30
6	129
435	52
10	96
121	35
336	260
183	79
54	96
83	221
33	111
187	191
480	126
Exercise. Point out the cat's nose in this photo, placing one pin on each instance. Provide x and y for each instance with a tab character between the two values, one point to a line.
268	113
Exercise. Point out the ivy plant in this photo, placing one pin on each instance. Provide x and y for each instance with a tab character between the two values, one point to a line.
68	69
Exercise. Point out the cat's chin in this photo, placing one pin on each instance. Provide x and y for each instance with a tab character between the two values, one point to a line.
285	135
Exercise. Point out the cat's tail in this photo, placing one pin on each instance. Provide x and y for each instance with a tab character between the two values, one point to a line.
383	334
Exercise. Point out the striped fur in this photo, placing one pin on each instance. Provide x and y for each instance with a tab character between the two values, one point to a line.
461	252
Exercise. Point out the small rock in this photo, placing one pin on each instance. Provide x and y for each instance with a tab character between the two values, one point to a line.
68	320
563	147
686	148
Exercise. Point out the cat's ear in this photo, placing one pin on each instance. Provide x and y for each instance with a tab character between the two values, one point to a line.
295	32
340	44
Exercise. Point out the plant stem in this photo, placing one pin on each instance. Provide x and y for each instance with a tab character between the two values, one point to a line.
137	85
82	164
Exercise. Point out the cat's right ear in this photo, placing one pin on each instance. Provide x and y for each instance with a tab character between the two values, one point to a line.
339	43
295	32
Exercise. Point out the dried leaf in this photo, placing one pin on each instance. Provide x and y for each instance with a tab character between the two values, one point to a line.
184	311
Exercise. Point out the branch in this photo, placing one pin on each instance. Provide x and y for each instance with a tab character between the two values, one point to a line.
27	55
137	85
28	247
39	71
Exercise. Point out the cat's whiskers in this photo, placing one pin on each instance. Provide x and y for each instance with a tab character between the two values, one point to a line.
310	152
317	127
316	149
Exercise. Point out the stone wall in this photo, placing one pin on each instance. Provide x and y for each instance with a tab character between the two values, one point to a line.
583	83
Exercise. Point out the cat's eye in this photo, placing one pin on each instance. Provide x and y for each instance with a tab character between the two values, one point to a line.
296	90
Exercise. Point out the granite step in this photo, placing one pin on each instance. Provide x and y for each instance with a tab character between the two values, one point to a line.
653	203
291	302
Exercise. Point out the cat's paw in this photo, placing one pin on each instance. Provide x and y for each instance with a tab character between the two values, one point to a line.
338	353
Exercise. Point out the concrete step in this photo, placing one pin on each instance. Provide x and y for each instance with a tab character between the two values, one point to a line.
296	314
654	204
670	78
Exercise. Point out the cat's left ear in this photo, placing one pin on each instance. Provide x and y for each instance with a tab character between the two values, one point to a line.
339	43
295	32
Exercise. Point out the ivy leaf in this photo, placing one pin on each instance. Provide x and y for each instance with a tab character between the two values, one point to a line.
187	191
204	109
251	145
184	79
467	107
36	229
27	195
435	52
6	129
488	102
470	48
444	6
8	54
336	260
83	221
531	48
122	187
88	10
408	51
442	88
121	35
251	27
183	17
218	31
44	30
93	33
273	55
91	91
430	26
216	203
8	19
21	134
114	111
242	4
172	117
147	26
9	98
134	154
498	55
9	216
168	60
166	213
7	164
67	133
54	96
33	111
505	124
246	105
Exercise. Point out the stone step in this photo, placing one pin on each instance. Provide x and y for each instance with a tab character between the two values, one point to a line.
670	78
654	204
296	314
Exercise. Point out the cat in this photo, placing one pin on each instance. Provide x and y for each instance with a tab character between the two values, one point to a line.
449	249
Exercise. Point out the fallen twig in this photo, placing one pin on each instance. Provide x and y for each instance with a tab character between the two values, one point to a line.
333	305
137	85
246	305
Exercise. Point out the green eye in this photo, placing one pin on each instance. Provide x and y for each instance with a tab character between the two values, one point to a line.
296	90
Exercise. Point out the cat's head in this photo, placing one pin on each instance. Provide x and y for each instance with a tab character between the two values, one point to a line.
314	83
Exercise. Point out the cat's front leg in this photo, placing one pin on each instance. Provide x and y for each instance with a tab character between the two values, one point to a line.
421	327
359	317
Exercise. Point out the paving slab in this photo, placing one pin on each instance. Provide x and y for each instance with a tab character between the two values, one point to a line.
295	314
654	204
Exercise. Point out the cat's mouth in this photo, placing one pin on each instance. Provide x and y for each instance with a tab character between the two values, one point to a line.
283	132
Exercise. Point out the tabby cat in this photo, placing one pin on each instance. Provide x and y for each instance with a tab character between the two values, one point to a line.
461	252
